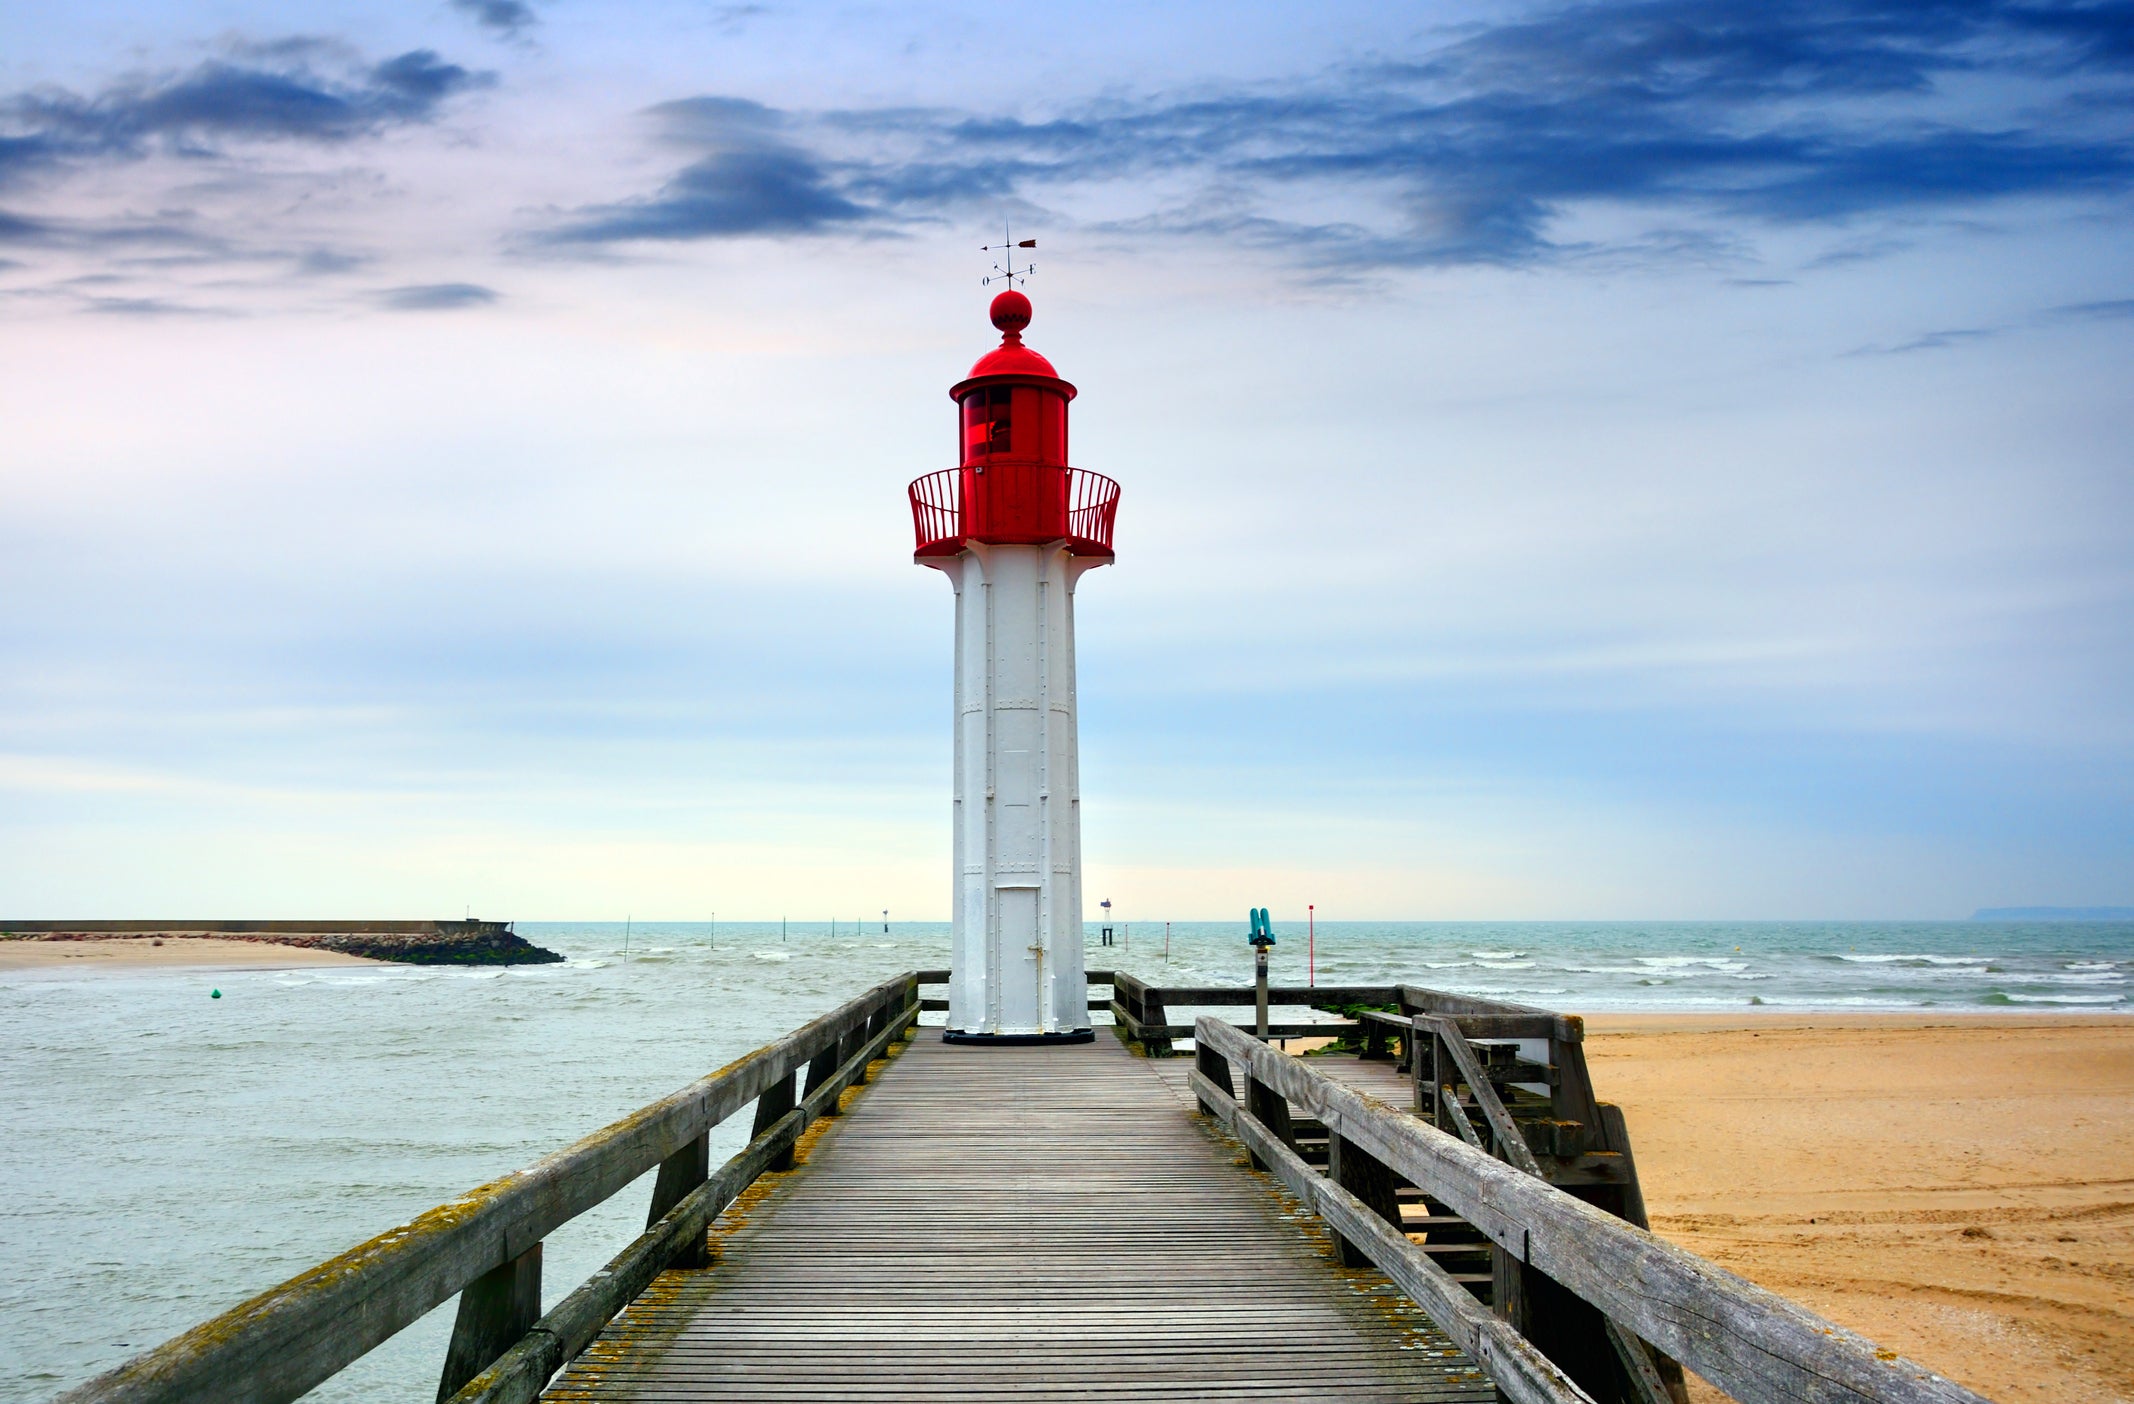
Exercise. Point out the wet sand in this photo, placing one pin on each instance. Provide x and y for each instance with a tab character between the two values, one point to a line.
177	953
1959	1189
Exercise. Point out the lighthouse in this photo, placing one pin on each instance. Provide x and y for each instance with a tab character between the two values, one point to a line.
1014	528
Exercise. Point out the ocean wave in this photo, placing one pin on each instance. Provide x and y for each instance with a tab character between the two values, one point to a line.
2091	965
1915	959
2061	999
1496	955
775	957
1727	963
1505	964
1842	1002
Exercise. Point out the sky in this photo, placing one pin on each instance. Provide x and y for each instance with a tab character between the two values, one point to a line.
1657	460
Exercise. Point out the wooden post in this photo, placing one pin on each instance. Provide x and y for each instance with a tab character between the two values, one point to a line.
820	1071
1365	1176
776	1101
1259	991
1508	1296
1571	1099
1271	1109
850	1049
495	1309
678	1174
1214	1067
1155	1045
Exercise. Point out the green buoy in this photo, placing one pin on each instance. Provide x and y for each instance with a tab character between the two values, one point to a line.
214	994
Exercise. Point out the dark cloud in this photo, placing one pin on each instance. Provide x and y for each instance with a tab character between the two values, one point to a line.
509	18
752	181
327	262
18	229
1816	112
171	237
436	297
153	307
294	90
1932	341
2113	310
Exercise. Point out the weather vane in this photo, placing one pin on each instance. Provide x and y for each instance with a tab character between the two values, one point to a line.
1006	249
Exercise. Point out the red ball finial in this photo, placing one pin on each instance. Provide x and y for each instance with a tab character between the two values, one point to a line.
1011	313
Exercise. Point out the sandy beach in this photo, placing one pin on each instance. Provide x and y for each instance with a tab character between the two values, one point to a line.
1959	1189
184	953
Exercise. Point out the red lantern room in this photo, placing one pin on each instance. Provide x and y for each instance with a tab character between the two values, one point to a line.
1013	485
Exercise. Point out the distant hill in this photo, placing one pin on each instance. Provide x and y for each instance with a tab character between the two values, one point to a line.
2053	914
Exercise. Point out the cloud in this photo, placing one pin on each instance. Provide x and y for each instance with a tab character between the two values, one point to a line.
436	297
293	90
2112	310
750	181
508	18
1932	341
148	307
1482	150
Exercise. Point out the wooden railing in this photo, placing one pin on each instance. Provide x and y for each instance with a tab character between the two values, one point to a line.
1530	1060
485	1246
1756	1346
939	1004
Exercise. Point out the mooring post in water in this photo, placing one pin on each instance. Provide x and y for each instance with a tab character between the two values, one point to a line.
1261	938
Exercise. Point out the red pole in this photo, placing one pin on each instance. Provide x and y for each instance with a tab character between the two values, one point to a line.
1311	944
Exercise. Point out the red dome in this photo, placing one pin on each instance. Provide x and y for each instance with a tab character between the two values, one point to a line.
1012	358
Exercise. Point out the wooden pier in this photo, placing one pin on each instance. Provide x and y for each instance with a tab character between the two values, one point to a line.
1031	1223
1446	1214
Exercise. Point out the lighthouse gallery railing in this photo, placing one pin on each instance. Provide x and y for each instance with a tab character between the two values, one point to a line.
1013	503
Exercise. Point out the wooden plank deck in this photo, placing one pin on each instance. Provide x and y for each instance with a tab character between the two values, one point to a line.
1027	1224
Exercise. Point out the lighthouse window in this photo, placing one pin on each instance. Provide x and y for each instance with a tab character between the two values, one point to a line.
985	421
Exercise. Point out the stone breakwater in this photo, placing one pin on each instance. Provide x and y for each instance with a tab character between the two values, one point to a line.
407	942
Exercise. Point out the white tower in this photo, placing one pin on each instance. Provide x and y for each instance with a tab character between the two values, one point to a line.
1014	528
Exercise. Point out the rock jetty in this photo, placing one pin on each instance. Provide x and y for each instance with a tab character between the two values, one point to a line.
408	942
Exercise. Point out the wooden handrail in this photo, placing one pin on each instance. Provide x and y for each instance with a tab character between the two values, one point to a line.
283	1342
940	977
1521	1373
1751	1343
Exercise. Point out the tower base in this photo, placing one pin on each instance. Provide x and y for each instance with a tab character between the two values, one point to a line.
1009	1040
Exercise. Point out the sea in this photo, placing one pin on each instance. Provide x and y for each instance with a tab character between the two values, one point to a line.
167	1153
